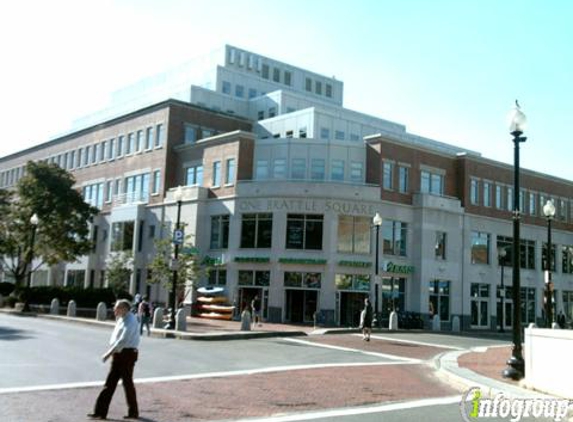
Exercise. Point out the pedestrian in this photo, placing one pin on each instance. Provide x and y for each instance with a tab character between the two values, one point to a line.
123	342
561	320
256	308
366	317
245	318
145	310
136	302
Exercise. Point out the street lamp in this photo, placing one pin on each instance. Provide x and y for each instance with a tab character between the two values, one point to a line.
34	220
377	221
515	369
501	255
177	240
549	212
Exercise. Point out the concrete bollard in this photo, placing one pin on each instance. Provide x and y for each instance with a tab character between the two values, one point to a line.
158	318
532	325
393	324
436	323
246	321
181	320
456	324
55	307
555	326
101	312
71	309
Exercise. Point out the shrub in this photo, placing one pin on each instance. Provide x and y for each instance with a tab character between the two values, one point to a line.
10	301
6	288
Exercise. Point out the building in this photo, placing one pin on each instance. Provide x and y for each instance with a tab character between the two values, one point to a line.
280	186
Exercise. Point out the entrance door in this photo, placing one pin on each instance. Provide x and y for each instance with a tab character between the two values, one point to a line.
351	304
246	296
301	305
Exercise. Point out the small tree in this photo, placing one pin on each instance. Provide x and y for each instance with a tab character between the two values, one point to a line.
63	232
119	267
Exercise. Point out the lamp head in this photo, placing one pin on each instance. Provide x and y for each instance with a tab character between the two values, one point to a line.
34	220
502	253
517	120
178	194
377	220
549	209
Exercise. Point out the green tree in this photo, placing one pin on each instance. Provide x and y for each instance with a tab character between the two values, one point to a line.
119	267
63	230
189	267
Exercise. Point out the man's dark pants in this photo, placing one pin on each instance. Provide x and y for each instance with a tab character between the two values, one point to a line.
121	368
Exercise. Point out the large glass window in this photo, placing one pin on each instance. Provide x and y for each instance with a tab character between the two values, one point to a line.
393	295
158	135
337	170
230	172
122	236
256	230
527	304
479	305
440	299
216	176
190	135
498	197
526	251
279	168
302	280
298	168
219	232
262	170
317	169
356	282
487	194
403	179
394	235
149	138
194	176
254	278
353	234
532	204
217	277
440	247
474	191
431	182
480	248
304	231
388	175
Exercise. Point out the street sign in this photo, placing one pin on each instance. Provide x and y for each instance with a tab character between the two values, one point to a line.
178	236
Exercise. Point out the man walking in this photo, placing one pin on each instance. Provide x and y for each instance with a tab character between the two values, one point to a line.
123	351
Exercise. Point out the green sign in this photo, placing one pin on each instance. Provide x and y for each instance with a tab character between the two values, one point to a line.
361	264
304	261
252	259
399	269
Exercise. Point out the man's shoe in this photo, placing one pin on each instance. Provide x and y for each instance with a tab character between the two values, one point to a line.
96	416
130	417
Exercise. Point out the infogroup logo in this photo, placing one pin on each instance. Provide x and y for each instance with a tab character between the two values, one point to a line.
474	406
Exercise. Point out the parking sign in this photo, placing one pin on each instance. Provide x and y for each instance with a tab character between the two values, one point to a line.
178	235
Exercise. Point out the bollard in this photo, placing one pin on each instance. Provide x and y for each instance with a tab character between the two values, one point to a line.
71	309
181	320
101	312
1	301
532	325
158	318
555	326
55	307
393	323
436	323
456	324
246	321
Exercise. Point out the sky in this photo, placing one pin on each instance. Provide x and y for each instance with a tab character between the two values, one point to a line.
449	70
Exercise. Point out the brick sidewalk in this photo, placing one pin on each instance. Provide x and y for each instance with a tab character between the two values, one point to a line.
490	363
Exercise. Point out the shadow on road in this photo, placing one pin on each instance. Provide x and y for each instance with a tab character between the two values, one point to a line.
7	333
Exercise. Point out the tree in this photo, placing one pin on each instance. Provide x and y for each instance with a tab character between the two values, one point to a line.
63	230
189	266
119	267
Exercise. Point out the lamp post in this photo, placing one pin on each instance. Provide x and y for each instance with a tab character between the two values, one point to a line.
377	221
34	220
501	255
515	369
549	212
177	240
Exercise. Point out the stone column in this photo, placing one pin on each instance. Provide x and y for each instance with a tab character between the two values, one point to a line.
158	318
55	307
181	320
101	312
71	308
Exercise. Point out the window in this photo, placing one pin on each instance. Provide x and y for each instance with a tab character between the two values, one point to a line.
261	115
318	87
272	112
252	93
324	133
337	170
353	234
526	251
527	304
522	201
486	194
122	236
158	135
194	176
431	182
302	132
393	295
217	277
149	138
95	153
394	235
357	282
439	292
279	168
354	137
139	141
304	280
356	172
339	135
317	169
388	175
403	179
304	231
254	278
567	259
328	90
308	84
265	71
509	198
532	204
440	247
219	232
480	248
498	197
289	134
130	147
102	151
474	192
562	210
120	146
256	230
216	177
75	278
190	134
239	91
298	168
262	170
226	87
287	78
544	257
156	181
568	305
230	171
276	75
479	293
108	191
87	151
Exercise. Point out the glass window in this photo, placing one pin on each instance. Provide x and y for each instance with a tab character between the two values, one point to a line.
388	174
272	112
102	151
498	197
479	293
567	259
194	176
339	135
425	181
353	234
216	179
318	87
509	198
474	193
317	169
108	191
304	231
252	93
262	170
130	147
239	91
487	194
139	141
122	236
394	235
87	152
256	230
279	168
337	170
190	134
230	171
440	247
276	75
328	90
480	248
158	135
356	172
308	84
324	133
532	204
261	115
288	78
219	232
302	132
217	277
226	87
440	299
120	145
403	179
156	181
298	168
265	71
544	257
149	138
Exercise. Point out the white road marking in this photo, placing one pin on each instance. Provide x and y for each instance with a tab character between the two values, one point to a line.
359	410
348	349
421	343
11	390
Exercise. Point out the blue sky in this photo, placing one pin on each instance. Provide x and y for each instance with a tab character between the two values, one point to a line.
447	70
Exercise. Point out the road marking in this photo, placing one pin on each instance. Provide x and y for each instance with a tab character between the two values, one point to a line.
421	343
348	349
328	414
11	390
